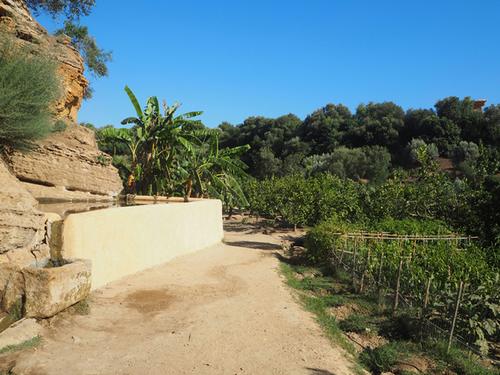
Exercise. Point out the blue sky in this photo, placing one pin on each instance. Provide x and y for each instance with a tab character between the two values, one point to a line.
238	58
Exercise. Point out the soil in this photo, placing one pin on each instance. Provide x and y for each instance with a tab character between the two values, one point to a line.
222	310
342	312
366	340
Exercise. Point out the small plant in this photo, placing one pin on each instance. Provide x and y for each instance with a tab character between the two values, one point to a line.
103	160
315	283
28	344
380	359
81	308
355	323
59	126
333	300
16	311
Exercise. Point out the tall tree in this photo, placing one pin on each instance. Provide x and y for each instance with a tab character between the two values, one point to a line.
377	124
323	130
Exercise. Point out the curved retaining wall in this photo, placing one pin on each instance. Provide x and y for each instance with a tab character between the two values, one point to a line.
122	241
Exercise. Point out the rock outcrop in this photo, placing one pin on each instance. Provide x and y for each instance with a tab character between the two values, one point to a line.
67	165
22	237
22	227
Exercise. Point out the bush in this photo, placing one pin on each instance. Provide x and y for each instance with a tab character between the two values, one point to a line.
28	86
370	163
354	323
380	359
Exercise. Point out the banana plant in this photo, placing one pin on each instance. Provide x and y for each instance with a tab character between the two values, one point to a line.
212	172
155	142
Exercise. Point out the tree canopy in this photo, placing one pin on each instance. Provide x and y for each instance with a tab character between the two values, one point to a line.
283	145
72	9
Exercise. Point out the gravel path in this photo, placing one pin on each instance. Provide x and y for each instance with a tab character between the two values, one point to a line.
222	310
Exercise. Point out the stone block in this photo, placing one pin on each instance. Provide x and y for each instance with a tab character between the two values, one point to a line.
50	290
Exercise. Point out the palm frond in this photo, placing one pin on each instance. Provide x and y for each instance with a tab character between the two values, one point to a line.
134	101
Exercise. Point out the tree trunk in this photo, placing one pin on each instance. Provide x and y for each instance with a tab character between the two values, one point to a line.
187	189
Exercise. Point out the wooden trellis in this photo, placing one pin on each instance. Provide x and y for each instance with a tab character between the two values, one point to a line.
351	242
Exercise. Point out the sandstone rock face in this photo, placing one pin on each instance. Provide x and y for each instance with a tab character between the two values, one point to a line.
67	166
22	237
16	19
21	225
51	290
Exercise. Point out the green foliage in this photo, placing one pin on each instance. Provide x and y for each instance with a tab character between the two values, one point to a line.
445	263
381	359
280	145
370	163
29	86
60	126
355	323
168	154
325	128
71	8
95	58
417	146
457	360
377	124
28	344
297	200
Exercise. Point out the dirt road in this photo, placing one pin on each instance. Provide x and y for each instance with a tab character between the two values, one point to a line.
222	310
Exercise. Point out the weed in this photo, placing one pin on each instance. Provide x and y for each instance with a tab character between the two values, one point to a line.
16	310
355	323
380	359
28	344
333	300
81	308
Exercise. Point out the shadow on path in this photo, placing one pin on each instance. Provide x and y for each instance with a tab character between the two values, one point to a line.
318	371
254	245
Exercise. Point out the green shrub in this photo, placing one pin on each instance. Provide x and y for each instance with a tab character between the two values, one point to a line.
323	239
59	126
354	323
28	86
333	300
457	360
380	359
411	226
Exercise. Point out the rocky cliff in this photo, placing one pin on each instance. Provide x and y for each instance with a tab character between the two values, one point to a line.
66	165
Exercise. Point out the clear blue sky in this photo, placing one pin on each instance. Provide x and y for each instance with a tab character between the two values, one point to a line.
237	58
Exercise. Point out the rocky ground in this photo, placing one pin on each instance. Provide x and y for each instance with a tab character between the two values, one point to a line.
223	310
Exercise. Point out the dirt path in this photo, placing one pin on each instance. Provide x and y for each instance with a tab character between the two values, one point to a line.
223	310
